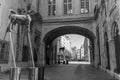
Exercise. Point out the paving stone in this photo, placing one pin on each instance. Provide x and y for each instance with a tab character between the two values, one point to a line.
75	72
68	72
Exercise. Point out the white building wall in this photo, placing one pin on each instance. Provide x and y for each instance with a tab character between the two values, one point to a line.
5	7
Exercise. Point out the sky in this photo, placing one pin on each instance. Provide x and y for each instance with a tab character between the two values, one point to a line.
76	40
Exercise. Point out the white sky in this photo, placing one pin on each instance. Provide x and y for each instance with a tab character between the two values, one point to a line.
76	40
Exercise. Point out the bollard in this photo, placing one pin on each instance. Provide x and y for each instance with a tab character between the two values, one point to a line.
63	62
41	73
58	62
33	73
66	61
15	73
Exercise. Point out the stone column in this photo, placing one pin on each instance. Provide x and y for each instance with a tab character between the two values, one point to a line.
96	54
41	61
41	55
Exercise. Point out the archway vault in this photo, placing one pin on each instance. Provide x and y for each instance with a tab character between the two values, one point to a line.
51	35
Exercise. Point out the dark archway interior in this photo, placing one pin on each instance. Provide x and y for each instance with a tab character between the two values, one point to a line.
50	36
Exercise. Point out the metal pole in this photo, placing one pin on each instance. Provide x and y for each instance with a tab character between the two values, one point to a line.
31	50
33	71
12	49
15	71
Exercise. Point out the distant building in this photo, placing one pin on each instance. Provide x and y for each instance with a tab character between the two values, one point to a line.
74	53
78	54
85	54
86	49
82	52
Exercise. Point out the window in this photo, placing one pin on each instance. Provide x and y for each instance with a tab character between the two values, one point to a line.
84	6
67	6
51	7
115	30
4	52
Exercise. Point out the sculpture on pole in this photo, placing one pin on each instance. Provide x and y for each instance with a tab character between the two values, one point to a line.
21	19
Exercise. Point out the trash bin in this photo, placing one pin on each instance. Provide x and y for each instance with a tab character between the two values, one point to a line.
15	73
41	73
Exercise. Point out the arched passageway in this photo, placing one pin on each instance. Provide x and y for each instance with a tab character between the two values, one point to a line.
53	34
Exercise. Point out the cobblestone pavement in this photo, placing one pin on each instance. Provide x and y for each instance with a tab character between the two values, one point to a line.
68	72
75	72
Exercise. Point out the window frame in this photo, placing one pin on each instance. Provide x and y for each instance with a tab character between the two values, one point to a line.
84	6
52	7
69	6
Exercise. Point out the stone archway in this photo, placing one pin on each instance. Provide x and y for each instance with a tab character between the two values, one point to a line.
51	35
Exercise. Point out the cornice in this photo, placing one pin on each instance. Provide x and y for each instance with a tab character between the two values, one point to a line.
67	20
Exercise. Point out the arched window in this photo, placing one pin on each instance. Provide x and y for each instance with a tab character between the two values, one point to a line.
115	30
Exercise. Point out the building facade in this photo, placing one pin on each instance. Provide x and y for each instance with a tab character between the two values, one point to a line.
61	17
97	20
107	35
82	52
86	49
